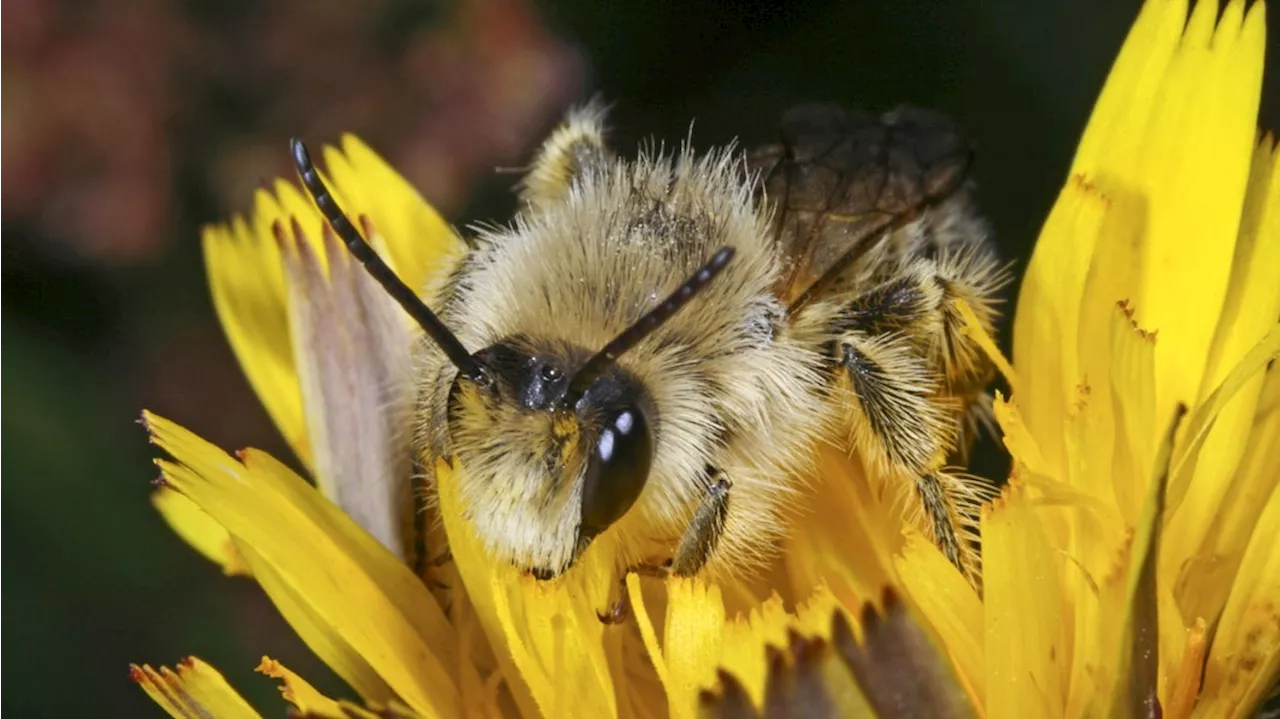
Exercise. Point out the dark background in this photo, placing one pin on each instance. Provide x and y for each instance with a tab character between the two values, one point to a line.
128	125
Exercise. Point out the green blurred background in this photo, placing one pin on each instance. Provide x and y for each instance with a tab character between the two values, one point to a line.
128	125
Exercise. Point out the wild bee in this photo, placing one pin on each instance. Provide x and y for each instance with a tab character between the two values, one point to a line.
646	357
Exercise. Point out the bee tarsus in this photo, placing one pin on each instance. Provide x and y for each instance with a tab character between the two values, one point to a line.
618	612
705	529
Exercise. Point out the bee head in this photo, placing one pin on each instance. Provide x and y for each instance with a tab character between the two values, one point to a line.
571	435
557	457
573	461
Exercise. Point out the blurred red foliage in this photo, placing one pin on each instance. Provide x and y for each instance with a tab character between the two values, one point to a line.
127	123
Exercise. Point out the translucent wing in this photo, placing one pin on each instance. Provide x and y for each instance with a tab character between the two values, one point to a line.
839	179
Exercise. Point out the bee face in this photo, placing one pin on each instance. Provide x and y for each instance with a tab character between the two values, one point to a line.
552	466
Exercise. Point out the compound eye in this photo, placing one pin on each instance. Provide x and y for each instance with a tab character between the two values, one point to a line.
616	471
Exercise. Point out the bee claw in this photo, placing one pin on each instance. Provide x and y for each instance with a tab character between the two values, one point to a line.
617	613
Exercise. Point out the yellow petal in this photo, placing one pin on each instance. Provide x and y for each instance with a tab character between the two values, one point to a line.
1140	646
1017	438
298	692
1044	332
247	282
1025	618
419	242
950	606
1186	684
1178	185
846	535
1133	394
1121	112
974	330
348	580
1206	415
1105	318
1253	295
807	677
742	648
1206	541
547	635
1208	525
316	631
692	643
195	691
1244	662
1193	166
199	530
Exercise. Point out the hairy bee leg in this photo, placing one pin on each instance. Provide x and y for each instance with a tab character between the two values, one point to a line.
705	529
974	276
898	421
906	304
575	148
938	509
419	521
976	418
919	301
904	425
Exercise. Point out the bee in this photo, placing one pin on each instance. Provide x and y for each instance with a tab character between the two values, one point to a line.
647	356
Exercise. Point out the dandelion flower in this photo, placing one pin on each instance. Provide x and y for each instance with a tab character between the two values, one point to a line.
1127	563
1131	558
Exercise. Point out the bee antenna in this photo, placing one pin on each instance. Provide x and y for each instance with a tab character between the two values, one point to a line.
642	327
378	269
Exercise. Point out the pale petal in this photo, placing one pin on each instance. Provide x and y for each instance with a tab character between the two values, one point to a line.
898	667
352	350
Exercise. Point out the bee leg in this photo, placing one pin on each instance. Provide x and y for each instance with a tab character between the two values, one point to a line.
705	529
618	612
576	148
918	300
965	272
939	513
897	421
903	426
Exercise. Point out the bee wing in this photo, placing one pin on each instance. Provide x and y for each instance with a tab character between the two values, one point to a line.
839	179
